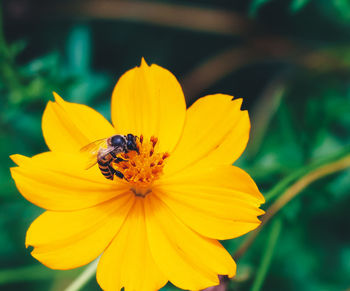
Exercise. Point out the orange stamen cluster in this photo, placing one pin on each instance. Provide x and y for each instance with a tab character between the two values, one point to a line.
141	169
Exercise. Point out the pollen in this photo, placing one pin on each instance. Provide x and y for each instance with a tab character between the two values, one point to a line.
142	168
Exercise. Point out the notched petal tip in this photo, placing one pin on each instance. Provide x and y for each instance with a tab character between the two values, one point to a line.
260	197
27	241
233	269
68	126
143	63
48	106
239	101
57	97
13	172
139	106
261	212
50	265
17	159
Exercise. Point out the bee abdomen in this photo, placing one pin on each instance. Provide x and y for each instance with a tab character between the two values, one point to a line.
106	169
104	164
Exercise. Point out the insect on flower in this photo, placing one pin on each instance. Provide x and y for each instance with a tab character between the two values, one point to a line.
109	151
176	192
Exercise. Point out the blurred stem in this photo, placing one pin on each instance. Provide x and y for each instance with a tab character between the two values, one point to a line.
264	109
84	277
283	184
259	49
267	255
286	192
193	17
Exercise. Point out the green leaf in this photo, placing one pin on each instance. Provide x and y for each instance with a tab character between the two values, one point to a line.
17	47
255	6
79	49
297	5
343	8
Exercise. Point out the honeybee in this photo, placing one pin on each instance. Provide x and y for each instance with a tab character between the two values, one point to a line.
104	152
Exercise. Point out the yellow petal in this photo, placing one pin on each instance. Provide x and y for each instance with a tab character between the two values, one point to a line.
66	240
56	181
187	259
149	100
68	126
215	133
220	203
127	262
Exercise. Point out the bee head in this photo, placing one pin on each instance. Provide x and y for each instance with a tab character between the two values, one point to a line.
118	141
131	143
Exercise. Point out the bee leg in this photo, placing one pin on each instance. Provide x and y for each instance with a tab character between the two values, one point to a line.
118	160
118	174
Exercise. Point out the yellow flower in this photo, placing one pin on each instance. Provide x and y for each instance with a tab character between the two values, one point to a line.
179	196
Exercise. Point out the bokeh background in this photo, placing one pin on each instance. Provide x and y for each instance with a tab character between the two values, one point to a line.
288	59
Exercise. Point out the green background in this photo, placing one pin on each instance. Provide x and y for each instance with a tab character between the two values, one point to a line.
288	59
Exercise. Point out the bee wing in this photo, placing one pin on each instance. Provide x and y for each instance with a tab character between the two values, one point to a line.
91	162
92	149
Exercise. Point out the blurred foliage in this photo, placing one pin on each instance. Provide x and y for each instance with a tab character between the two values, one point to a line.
295	5
341	7
299	104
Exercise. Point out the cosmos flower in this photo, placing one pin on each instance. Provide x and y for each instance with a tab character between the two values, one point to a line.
180	194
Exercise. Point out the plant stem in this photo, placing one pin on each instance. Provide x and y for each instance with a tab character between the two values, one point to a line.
281	186
286	193
267	255
84	277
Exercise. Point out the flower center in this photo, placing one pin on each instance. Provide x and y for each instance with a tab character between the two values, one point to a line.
141	168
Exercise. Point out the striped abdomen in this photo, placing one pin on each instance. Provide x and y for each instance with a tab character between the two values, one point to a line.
104	163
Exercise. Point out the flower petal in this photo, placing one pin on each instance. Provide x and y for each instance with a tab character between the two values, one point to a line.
68	126
148	100
220	203
189	260
66	240
127	262
57	181
216	131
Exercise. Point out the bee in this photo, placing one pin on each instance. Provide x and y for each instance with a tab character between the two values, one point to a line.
105	151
